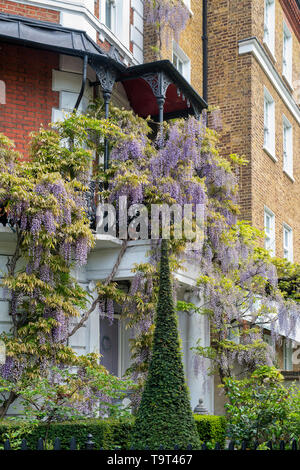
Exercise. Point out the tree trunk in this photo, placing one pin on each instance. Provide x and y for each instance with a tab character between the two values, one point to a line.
4	408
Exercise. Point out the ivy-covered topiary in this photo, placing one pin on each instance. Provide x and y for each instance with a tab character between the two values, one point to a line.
165	416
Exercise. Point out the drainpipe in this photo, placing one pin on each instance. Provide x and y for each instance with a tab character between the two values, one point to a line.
204	48
84	74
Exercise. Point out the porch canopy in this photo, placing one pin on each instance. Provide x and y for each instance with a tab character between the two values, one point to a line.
153	89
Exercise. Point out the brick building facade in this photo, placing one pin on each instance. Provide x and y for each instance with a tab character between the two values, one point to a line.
27	75
241	67
29	11
242	70
239	74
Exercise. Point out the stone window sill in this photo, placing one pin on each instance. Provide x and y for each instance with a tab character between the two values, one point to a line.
289	176
288	83
270	53
270	154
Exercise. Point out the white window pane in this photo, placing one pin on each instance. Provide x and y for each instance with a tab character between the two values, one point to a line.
287	354
269	123
287	60
175	60
287	147
181	61
269	231
269	24
110	14
288	243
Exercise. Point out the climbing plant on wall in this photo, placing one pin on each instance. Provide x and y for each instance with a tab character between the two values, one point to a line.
168	17
238	281
44	201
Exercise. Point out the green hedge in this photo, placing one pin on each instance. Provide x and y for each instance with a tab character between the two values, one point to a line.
107	433
110	433
294	424
211	428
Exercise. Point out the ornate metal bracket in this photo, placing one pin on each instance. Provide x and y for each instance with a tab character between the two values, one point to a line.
159	83
197	111
106	75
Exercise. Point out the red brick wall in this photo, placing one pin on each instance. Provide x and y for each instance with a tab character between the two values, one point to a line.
27	74
97	9
43	14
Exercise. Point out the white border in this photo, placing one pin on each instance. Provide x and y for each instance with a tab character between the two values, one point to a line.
252	46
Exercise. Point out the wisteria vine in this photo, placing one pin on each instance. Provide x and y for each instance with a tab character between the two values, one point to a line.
43	201
238	279
169	17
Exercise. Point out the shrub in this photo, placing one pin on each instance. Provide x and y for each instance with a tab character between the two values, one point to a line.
261	408
165	416
107	433
211	429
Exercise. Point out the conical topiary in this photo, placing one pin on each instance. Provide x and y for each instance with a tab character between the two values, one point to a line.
165	416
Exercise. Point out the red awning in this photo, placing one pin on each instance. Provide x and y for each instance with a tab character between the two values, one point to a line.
143	101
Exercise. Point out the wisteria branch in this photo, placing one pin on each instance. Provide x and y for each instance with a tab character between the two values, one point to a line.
107	281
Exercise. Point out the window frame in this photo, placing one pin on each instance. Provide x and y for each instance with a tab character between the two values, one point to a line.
187	3
184	59
287	54
234	333
112	23
269	25
269	124
270	238
289	247
288	354
287	147
267	338
2	92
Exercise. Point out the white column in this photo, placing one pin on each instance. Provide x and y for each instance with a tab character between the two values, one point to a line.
94	325
200	387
